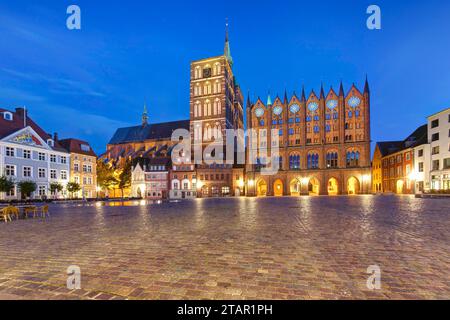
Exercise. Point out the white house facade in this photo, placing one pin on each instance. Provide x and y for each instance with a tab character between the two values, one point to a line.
25	156
439	141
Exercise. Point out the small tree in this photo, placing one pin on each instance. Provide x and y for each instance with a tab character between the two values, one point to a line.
27	188
73	187
105	176
6	184
125	177
55	188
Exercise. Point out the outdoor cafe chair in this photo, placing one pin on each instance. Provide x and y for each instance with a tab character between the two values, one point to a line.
13	211
44	211
4	214
28	210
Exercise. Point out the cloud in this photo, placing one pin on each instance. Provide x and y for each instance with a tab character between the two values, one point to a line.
57	85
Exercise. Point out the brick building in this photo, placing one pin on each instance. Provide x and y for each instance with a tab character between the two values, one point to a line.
393	163
324	143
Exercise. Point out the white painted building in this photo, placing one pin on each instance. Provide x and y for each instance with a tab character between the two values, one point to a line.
27	153
439	145
421	173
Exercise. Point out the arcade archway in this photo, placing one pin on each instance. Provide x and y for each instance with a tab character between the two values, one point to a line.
278	188
353	186
261	188
333	187
295	187
314	187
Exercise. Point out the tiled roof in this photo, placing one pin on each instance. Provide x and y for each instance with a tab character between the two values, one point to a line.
147	162
417	138
157	131
74	146
9	127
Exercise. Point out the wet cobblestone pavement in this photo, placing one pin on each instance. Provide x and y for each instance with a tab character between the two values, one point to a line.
271	248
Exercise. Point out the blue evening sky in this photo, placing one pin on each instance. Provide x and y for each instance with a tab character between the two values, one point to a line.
87	83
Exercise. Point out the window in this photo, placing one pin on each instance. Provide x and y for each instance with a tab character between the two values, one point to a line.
353	159
76	167
436	165
64	160
85	148
41	156
26	154
435	137
10	152
291	132
435	150
10	170
53	174
84	168
63	175
332	160
42	191
421	167
435	123
53	158
42	173
50	142
27	172
313	161
76	179
408	156
447	163
420	153
8	116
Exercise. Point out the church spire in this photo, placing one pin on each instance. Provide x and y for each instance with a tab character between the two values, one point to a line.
227	51
145	115
249	102
341	90
366	86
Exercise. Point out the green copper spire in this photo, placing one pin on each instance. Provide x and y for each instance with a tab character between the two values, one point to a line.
145	115
227	51
269	100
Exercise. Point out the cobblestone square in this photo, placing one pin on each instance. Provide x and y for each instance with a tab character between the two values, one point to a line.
249	248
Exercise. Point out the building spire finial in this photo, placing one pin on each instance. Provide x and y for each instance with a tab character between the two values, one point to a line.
145	115
227	51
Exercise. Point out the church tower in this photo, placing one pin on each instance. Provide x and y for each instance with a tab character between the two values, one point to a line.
216	100
216	104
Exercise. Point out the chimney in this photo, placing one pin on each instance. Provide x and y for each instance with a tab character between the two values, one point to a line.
55	136
21	112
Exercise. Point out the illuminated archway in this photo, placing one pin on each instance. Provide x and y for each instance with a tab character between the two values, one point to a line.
400	185
314	187
333	187
261	188
353	186
278	188
295	187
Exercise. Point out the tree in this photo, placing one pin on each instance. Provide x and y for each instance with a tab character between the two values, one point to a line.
125	176
6	184
73	187
105	176
55	188
27	187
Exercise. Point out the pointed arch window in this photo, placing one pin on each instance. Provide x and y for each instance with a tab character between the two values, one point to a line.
353	158
294	162
313	161
332	160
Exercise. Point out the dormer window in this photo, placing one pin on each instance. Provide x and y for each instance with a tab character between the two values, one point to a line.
50	142
8	116
85	148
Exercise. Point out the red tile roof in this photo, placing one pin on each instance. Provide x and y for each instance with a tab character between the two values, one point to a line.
74	146
9	127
